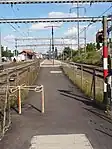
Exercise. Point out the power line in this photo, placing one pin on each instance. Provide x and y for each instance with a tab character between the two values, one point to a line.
16	17
96	20
85	28
13	27
16	24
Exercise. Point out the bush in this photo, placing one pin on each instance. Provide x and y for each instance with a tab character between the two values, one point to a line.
93	57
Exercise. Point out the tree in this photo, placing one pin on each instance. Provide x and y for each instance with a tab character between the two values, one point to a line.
74	52
90	47
16	52
6	53
67	51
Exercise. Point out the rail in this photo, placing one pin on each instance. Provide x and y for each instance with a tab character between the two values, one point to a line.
14	87
16	70
88	79
11	69
89	69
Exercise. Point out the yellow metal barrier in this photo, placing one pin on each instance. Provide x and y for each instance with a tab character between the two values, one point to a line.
35	88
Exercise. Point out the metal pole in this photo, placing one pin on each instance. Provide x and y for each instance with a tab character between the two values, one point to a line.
109	76
105	60
63	50
53	44
50	50
43	102
19	99
0	48
78	27
15	53
85	38
111	57
71	50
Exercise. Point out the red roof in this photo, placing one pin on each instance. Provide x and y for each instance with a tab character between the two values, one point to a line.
30	52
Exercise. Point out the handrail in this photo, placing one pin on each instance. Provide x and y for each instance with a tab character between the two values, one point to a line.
89	68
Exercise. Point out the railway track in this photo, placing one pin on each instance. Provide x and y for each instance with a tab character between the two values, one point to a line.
12	71
4	66
13	76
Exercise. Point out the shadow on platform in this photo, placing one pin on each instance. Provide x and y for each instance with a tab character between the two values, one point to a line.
102	131
86	101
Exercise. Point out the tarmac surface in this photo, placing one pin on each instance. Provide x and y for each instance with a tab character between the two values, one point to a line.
67	112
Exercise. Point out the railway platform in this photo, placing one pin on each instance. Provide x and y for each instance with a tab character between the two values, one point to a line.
70	120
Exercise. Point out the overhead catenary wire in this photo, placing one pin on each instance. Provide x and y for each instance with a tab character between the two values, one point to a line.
16	17
86	28
21	33
14	27
95	21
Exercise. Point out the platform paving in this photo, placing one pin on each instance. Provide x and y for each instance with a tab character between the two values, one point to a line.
70	120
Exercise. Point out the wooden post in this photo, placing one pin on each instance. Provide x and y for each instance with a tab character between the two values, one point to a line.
19	99
82	76
42	102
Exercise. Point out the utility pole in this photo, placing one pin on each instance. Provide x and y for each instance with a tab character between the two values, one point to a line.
15	53
71	50
50	50
105	61
78	28
85	38
53	44
111	57
63	51
52	39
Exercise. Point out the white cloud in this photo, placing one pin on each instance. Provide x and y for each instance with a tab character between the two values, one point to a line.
61	14
41	26
71	31
9	37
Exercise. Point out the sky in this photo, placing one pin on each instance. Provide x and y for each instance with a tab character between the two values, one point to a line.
39	30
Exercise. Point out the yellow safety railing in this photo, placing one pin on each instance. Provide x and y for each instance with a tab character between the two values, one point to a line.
30	88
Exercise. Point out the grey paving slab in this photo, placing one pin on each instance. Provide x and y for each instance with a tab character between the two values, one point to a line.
49	63
70	141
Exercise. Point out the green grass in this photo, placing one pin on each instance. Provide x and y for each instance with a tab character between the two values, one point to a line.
86	86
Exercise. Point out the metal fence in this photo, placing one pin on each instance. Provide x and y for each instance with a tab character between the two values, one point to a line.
88	80
10	80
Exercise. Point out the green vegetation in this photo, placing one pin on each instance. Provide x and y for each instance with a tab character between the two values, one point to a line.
89	55
6	53
84	82
32	74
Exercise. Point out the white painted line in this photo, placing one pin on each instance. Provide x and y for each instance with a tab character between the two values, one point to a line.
70	141
55	71
105	63
49	66
105	87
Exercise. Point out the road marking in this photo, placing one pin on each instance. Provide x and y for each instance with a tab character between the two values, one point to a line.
49	66
70	141
55	71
